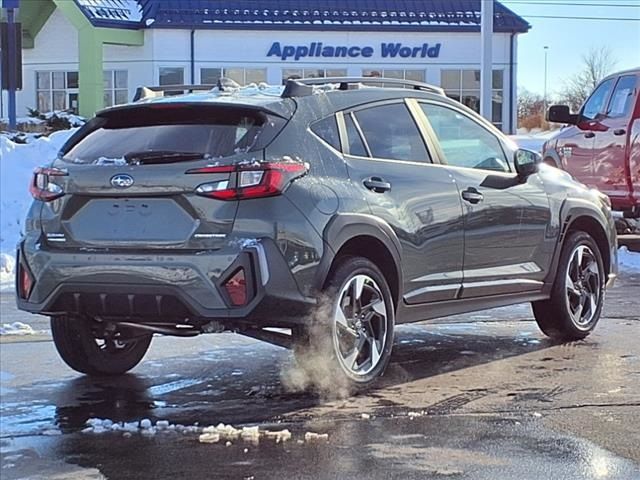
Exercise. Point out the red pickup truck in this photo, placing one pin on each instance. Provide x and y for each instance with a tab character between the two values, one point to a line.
601	145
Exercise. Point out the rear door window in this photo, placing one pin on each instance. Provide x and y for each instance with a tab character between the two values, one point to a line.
621	102
391	133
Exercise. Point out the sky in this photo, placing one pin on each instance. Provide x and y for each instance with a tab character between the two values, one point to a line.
569	40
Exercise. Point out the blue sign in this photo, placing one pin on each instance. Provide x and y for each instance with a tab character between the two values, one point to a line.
10	4
318	49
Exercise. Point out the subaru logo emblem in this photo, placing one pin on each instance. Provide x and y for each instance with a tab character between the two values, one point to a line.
122	180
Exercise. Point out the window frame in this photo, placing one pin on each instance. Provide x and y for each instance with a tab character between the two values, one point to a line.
51	90
322	140
437	148
605	102
113	89
459	92
612	97
344	140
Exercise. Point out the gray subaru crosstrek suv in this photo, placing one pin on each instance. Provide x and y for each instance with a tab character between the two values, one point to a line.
332	209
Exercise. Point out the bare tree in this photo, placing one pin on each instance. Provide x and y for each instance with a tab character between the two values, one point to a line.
597	64
529	103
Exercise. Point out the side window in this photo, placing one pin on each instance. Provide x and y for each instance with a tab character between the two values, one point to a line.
596	102
327	130
464	142
356	146
621	102
390	132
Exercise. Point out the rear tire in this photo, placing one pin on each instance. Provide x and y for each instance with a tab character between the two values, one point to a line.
353	327
576	301
85	353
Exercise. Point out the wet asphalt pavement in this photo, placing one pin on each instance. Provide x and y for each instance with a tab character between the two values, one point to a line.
482	396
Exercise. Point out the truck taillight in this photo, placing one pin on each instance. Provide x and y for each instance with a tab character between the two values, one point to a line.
250	181
42	188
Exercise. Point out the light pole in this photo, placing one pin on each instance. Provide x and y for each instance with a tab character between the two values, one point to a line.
544	98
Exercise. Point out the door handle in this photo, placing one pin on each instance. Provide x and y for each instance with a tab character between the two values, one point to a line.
619	131
377	184
472	195
589	135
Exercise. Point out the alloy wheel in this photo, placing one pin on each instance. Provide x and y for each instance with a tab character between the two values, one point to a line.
360	325
584	286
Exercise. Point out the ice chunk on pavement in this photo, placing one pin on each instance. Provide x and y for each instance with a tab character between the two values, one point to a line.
162	424
145	423
316	437
16	328
209	437
250	434
365	416
279	436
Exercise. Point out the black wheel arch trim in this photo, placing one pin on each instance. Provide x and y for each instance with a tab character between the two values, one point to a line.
343	227
571	211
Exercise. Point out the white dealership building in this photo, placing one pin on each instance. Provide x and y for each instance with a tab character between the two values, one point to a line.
86	54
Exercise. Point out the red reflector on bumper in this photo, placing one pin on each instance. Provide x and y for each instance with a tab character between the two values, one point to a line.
236	287
25	282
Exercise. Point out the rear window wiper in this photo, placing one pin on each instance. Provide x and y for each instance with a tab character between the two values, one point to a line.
149	157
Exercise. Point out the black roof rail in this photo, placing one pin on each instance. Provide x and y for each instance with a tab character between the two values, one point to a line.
296	87
144	93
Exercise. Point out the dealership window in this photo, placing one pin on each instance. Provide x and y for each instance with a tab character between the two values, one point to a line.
295	73
415	75
242	76
56	91
464	86
171	76
116	90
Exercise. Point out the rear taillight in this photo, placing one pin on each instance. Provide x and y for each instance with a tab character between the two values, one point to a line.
43	188
236	288
250	181
25	281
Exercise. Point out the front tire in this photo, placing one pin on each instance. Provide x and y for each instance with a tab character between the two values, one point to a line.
354	327
576	302
85	353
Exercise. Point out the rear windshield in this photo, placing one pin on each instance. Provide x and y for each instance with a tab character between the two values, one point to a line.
160	136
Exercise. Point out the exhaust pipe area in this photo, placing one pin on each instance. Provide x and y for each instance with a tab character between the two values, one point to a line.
275	338
164	329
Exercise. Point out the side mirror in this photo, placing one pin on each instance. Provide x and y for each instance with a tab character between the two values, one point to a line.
526	162
561	114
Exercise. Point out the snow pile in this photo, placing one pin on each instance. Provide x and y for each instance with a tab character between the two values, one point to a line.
212	434
533	140
628	262
143	427
17	162
247	434
74	120
17	328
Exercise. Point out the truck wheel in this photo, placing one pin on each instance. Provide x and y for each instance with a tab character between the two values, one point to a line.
82	351
354	327
575	305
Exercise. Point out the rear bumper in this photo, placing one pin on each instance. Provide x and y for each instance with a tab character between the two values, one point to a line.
164	286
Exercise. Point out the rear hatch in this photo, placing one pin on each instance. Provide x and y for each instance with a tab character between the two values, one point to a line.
141	177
